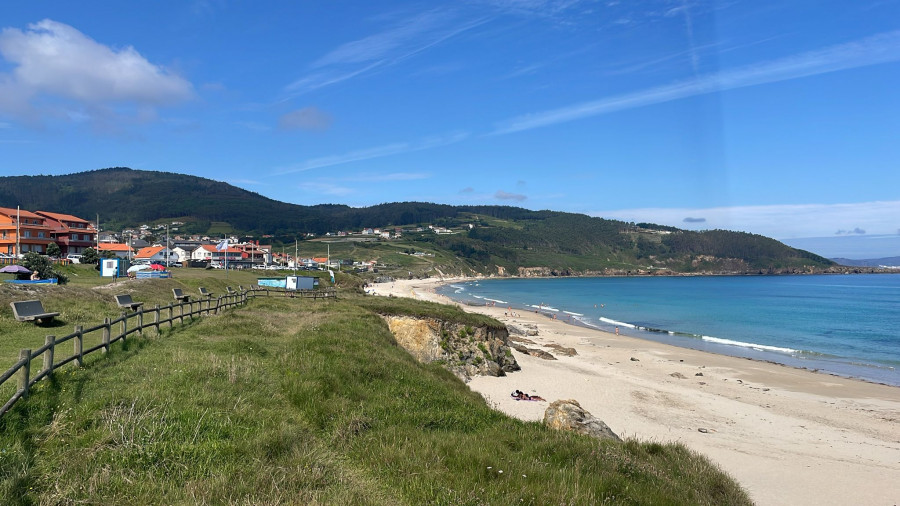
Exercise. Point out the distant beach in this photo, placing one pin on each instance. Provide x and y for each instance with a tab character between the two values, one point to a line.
789	436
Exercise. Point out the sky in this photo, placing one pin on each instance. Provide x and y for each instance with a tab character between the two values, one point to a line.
775	118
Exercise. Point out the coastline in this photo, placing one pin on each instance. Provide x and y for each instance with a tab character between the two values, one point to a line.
788	435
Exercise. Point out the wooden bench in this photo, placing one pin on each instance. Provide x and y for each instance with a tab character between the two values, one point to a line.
31	310
125	301
204	292
180	296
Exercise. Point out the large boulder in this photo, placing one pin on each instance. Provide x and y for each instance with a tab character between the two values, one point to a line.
569	415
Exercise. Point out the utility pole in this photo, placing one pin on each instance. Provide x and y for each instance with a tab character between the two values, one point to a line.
296	245
18	231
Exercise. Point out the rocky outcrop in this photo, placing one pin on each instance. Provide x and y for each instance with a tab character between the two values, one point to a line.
569	415
465	350
534	352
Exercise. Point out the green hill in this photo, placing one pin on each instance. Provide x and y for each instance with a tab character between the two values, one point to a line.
288	401
487	239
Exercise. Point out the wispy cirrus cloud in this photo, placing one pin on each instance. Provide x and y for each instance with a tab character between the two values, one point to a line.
391	176
374	152
407	38
873	50
307	118
325	188
778	221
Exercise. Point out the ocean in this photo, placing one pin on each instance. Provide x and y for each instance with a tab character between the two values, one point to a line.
847	325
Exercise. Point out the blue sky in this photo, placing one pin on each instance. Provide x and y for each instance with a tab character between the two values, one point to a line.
778	118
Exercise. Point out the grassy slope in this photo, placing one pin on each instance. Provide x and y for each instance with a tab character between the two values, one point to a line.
294	401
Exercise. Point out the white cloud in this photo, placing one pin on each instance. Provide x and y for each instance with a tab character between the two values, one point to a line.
502	195
376	152
54	60
880	48
778	221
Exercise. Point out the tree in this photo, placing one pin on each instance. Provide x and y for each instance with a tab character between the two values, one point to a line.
89	256
53	250
42	265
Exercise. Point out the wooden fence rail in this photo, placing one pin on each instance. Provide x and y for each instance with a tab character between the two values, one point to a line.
161	315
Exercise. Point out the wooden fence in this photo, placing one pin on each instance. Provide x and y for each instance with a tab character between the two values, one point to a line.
128	323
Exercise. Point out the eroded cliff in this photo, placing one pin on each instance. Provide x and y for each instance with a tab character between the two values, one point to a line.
465	350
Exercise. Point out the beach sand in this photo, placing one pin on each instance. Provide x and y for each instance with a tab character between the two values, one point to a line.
788	436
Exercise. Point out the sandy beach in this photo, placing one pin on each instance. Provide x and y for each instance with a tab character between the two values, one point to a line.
789	436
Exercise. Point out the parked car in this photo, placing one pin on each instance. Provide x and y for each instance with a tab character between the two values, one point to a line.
75	259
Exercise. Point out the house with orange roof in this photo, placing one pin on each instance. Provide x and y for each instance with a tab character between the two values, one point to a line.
23	231
119	249
155	254
72	234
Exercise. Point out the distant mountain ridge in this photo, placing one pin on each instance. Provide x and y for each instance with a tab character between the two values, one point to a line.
871	262
499	239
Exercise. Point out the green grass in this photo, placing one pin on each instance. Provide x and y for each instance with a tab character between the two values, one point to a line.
292	401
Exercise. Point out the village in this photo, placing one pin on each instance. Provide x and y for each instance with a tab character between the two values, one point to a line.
23	231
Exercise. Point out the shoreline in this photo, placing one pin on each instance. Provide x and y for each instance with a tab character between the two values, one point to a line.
804	359
788	435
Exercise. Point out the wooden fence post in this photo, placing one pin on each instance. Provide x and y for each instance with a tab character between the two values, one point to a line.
26	371
156	319
79	345
141	321
50	341
170	316
106	332
124	327
181	311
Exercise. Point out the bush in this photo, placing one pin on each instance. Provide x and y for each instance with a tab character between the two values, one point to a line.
42	265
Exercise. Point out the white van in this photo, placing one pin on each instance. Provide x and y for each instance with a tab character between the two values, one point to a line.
75	259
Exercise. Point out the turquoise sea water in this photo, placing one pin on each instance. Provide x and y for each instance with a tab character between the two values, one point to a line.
843	324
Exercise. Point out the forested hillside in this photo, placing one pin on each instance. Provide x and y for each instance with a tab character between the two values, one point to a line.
486	238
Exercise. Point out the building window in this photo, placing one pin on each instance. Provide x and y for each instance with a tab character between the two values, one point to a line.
40	234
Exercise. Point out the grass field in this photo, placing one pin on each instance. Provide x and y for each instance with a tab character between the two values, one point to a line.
294	401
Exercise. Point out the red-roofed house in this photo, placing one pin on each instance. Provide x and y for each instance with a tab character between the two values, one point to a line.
155	254
119	249
33	232
72	234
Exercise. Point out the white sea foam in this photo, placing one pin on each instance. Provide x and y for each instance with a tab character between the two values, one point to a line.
754	346
498	301
573	314
614	322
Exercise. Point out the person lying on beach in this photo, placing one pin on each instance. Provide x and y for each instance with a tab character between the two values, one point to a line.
522	396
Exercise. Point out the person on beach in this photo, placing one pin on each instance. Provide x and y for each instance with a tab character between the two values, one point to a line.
522	396
617	330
